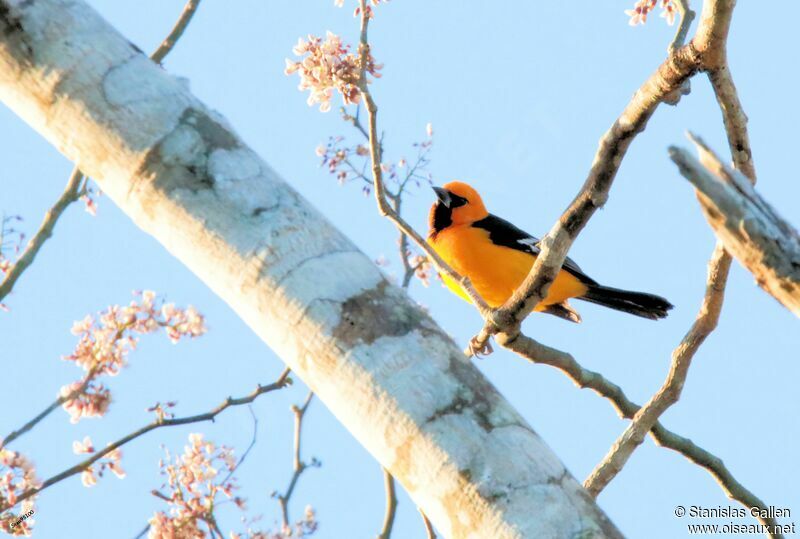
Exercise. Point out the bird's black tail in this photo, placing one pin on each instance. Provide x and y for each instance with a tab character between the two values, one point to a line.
638	303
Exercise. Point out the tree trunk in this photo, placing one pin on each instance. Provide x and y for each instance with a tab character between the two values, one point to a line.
384	368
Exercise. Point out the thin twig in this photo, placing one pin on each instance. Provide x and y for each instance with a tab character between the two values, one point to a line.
157	424
391	505
687	16
430	534
298	465
70	195
143	532
177	31
249	447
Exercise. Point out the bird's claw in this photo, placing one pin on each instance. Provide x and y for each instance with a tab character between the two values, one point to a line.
479	349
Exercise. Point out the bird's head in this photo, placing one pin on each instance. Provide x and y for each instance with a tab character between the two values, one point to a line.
458	204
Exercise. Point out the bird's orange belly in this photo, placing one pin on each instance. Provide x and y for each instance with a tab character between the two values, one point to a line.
496	271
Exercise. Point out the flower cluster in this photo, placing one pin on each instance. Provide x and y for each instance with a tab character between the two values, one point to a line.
111	461
642	8
328	65
17	475
105	343
194	488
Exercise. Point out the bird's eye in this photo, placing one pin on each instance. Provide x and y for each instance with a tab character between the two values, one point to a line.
456	201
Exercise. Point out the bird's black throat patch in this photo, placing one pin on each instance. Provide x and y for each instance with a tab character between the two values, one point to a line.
441	216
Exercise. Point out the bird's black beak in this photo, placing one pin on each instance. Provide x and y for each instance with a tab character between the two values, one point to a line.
443	195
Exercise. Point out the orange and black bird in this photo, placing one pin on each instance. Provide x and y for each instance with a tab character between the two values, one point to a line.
496	256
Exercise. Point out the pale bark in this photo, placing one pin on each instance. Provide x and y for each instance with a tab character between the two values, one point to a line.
746	224
388	373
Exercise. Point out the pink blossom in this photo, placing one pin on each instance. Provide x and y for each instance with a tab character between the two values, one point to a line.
328	65
642	8
87	477
85	446
17	475
194	483
90	205
106	340
113	461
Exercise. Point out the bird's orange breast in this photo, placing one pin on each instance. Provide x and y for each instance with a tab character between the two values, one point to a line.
495	271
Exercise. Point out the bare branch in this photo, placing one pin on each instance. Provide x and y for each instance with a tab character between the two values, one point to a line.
298	465
177	31
70	195
767	245
687	16
249	448
391	505
429	533
734	118
670	391
280	383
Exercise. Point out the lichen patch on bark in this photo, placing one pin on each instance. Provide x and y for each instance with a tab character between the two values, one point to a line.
372	314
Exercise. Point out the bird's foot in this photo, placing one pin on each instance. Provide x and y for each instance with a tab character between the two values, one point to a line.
479	348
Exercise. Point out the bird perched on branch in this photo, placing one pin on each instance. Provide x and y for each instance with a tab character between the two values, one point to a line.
496	256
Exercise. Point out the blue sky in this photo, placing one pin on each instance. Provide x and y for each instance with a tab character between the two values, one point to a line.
518	97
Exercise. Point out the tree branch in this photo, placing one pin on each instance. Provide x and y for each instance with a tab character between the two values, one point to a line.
298	465
177	31
70	195
687	16
429	533
391	506
281	382
764	243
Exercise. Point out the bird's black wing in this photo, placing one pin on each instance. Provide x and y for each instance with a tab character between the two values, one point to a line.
501	232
